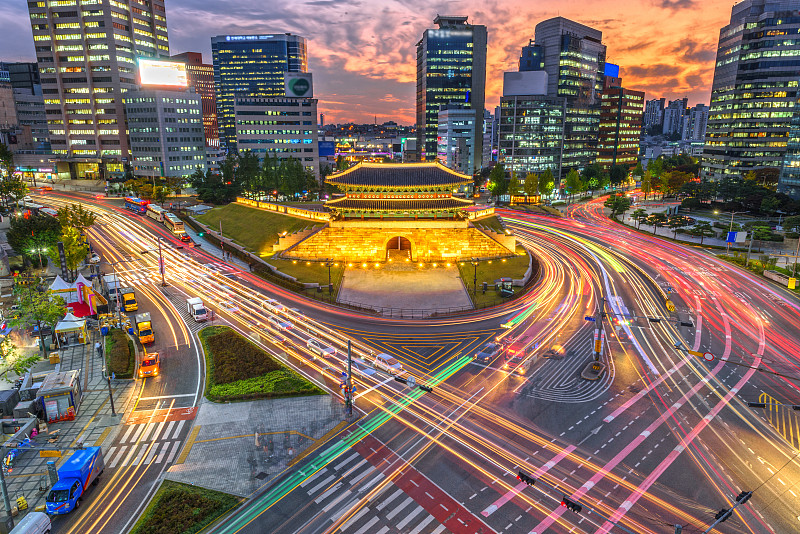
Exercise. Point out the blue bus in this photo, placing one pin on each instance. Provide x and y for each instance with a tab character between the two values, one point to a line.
136	205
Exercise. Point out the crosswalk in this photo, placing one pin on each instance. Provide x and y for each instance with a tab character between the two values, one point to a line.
141	278
336	488
146	443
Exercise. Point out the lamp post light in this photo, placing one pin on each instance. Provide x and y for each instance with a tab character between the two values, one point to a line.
328	264
475	278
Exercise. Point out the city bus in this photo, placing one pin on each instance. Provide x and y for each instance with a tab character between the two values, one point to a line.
172	222
156	212
136	205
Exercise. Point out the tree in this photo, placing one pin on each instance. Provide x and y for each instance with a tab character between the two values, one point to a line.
789	223
647	183
531	185
37	308
573	182
13	188
513	184
74	216
638	170
160	194
75	249
497	180
12	361
675	223
663	183
341	163
702	229
617	204
770	204
638	215
248	172
617	174
6	160
34	237
657	220
546	182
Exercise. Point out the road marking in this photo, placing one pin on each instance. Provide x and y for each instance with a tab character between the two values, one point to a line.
353	519
167	432
142	451
166	397
336	501
399	508
174	450
115	461
422	525
394	495
131	428
367	527
414	513
328	492
317	487
178	429
163	452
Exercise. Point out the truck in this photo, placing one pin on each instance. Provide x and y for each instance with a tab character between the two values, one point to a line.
74	477
196	308
150	364
111	285
127	299
144	328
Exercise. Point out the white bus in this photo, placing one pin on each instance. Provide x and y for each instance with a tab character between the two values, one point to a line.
156	212
172	222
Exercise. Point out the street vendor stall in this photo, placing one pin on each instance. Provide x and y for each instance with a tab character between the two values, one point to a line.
70	328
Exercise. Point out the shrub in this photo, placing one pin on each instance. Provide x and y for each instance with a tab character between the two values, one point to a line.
281	383
178	508
791	235
120	354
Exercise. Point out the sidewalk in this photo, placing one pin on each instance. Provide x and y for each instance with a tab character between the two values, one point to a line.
94	425
238	448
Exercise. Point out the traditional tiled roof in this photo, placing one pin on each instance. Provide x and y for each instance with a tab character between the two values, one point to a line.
388	204
398	175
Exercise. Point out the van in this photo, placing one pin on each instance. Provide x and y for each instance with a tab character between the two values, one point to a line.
33	523
389	364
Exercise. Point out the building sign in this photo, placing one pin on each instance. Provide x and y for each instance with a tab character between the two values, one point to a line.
247	37
162	73
327	149
298	85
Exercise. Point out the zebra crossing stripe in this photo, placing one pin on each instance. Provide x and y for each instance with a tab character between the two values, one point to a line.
138	433
174	450
142	451
178	429
131	428
163	452
169	429
115	461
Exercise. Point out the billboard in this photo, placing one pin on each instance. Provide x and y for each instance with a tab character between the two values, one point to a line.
298	84
327	149
611	70
162	73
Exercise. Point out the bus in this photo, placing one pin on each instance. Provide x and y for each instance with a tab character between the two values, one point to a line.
136	205
156	212
172	222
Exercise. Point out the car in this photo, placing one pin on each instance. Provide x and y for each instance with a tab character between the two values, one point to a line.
272	305
278	324
95	259
185	237
358	366
229	306
389	364
487	353
320	349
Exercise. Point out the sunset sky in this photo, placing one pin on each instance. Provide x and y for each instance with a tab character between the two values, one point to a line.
363	53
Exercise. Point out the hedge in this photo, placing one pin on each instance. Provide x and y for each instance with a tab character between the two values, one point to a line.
238	370
120	354
182	509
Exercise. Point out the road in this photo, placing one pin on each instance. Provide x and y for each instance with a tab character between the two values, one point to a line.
663	438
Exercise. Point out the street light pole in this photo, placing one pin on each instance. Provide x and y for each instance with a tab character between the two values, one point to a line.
330	285
161	263
116	280
474	278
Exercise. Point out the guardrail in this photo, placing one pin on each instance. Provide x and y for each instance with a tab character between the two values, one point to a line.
311	215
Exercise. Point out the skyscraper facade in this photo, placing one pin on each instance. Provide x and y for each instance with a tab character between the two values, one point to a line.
201	78
252	65
653	113
674	115
456	137
451	67
621	113
695	123
754	89
87	55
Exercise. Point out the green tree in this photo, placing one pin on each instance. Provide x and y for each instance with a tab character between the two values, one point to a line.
12	361
663	183
573	182
638	215
674	223
513	184
792	223
617	174
341	163
546	182
6	160
647	183
160	194
34	234
531	185
702	229
638	170
657	220
770	204
14	188
75	216
497	180
75	249
617	204
37	308
248	172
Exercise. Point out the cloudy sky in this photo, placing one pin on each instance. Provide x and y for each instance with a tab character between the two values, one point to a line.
363	53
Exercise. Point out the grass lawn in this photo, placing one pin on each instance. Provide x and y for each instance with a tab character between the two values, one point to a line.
315	272
237	369
514	268
256	229
182	509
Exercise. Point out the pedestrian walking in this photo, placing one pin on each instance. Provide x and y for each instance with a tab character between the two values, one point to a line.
98	349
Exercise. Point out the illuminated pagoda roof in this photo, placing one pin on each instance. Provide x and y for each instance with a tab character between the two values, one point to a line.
398	176
404	190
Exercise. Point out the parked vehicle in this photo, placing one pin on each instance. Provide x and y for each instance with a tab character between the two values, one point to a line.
320	349
196	308
389	364
487	353
80	470
150	364
33	523
144	328
128	299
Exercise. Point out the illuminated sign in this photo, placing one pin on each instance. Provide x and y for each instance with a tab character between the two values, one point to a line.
162	73
298	84
247	37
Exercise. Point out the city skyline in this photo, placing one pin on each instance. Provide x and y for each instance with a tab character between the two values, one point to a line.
360	75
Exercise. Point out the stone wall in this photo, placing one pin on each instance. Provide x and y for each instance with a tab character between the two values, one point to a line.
428	244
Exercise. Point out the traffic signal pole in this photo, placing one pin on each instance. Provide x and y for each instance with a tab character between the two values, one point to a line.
598	329
349	391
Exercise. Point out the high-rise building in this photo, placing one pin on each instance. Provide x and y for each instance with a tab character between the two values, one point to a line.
789	178
674	116
451	67
531	128
754	90
654	114
278	127
620	125
694	123
531	57
201	78
87	55
166	132
23	76
456	138
574	57
252	65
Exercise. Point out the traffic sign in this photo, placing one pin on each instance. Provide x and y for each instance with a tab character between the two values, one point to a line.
707	356
588	318
670	305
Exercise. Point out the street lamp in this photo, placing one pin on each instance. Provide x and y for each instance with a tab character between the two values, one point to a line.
475	278
39	250
328	264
